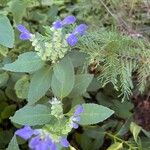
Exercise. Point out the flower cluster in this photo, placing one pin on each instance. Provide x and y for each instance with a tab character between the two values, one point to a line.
25	34
40	139
56	109
54	46
79	30
67	21
51	135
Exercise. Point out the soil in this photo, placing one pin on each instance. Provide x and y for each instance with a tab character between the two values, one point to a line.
142	111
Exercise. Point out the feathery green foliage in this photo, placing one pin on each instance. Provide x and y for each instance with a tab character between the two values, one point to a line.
117	57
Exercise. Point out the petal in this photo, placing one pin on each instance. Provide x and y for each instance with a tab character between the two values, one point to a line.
42	146
53	146
72	40
75	125
34	142
48	141
22	28
57	24
69	20
25	36
64	142
25	132
78	110
76	118
81	29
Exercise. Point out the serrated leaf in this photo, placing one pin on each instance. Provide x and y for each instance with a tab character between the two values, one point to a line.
13	145
22	87
32	115
93	113
115	146
26	62
6	32
135	129
82	81
63	78
40	83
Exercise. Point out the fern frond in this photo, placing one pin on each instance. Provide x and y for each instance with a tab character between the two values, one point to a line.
118	56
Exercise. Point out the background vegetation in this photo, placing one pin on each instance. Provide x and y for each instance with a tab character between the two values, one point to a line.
116	50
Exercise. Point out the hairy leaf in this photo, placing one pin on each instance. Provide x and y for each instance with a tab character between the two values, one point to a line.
26	62
63	78
6	32
93	113
32	115
82	81
13	145
22	87
40	83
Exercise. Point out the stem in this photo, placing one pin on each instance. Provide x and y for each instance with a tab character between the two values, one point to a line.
120	140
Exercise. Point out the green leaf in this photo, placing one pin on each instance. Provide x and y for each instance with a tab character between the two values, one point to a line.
22	87
119	106
13	145
32	115
135	129
40	83
94	113
115	146
77	58
82	81
26	62
6	32
63	78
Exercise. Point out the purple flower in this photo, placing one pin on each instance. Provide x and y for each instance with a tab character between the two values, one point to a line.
38	140
37	143
74	125
72	40
25	132
64	142
76	117
25	34
80	29
78	110
57	24
69	20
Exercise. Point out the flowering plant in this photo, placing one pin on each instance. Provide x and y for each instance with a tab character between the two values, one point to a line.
50	66
73	74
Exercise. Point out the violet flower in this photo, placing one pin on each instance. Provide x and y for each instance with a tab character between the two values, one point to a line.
25	132
25	34
67	21
80	29
38	141
76	117
72	40
64	142
57	24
